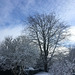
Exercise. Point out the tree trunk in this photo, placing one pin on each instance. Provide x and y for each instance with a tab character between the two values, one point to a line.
45	64
45	67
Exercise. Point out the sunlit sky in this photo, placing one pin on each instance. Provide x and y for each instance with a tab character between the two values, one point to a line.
13	13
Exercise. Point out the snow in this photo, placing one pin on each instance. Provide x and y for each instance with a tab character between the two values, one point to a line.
42	73
31	68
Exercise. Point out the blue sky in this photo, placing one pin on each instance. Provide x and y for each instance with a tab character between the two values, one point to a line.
14	12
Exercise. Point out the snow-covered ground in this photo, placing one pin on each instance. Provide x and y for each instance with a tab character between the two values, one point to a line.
42	73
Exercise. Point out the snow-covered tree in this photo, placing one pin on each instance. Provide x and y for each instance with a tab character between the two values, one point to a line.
17	54
72	53
62	65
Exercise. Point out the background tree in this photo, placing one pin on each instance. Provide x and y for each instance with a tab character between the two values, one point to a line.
48	32
72	53
64	64
71	57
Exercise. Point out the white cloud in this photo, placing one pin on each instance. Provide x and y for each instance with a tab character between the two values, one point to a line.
10	31
72	32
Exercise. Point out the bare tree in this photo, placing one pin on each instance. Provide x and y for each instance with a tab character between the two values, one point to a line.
48	32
